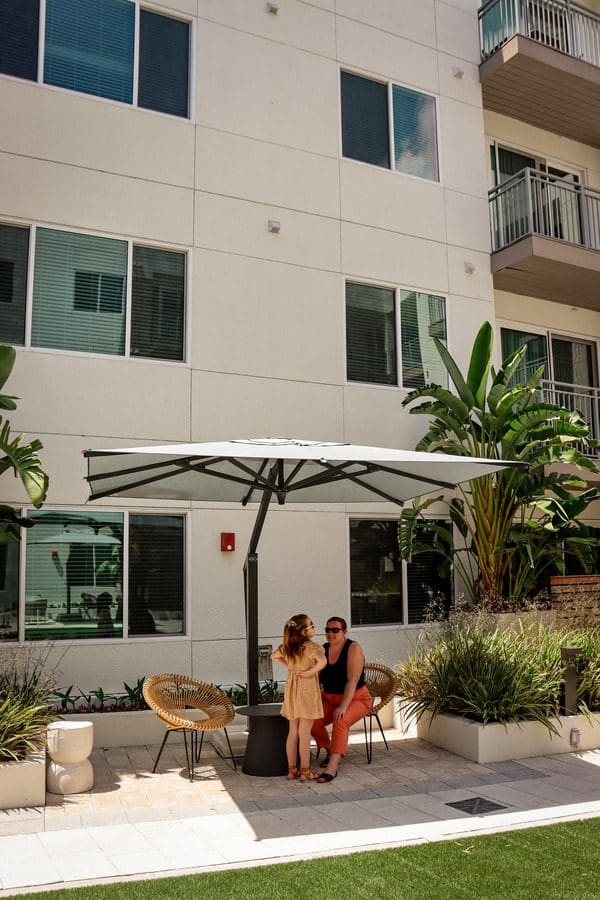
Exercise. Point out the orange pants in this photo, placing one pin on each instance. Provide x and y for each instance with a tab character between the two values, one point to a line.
360	705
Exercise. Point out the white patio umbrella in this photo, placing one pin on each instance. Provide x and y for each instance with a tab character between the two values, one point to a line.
281	469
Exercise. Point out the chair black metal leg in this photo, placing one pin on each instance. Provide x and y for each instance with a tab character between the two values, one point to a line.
369	737
381	730
164	741
190	763
199	750
230	751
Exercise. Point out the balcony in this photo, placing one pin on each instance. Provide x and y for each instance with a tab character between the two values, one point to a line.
546	239
577	396
541	64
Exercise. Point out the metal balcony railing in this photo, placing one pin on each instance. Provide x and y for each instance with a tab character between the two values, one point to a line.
560	24
576	396
534	202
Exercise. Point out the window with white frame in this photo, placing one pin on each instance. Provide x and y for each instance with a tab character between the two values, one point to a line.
95	575
390	335
405	141
81	294
384	590
114	49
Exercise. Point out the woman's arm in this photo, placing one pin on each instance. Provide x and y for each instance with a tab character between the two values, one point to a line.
356	663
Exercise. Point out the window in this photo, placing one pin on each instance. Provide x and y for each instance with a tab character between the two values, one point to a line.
74	283
384	589
14	253
164	63
407	144
75	586
372	329
91	46
81	294
19	25
158	303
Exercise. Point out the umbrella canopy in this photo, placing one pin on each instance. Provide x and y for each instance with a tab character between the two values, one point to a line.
295	470
282	469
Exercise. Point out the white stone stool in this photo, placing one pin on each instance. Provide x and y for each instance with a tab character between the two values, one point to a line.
69	745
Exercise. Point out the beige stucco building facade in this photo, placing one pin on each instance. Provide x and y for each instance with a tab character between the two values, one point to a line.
290	227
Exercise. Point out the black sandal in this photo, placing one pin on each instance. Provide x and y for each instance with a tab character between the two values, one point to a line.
326	777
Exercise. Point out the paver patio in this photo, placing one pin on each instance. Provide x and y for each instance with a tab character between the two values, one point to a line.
136	824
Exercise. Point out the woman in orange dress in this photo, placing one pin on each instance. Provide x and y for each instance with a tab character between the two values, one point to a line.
304	659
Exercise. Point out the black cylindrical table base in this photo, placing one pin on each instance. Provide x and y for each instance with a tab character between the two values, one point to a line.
267	733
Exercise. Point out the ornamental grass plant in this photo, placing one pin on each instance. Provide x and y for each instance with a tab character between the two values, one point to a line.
27	682
470	667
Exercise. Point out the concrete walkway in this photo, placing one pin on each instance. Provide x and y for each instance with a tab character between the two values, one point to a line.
136	825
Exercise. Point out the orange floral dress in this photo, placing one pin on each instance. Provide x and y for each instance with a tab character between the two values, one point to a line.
302	696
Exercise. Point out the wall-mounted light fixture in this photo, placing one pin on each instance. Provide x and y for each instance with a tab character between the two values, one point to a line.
575	737
273	8
457	72
469	267
273	226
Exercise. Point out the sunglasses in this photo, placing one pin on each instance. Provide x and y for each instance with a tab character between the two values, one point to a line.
333	630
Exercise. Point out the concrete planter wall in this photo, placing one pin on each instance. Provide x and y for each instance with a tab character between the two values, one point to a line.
132	728
494	743
23	783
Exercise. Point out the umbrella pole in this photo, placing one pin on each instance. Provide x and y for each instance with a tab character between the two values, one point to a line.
251	598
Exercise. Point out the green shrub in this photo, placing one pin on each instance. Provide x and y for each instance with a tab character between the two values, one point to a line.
22	728
488	674
27	682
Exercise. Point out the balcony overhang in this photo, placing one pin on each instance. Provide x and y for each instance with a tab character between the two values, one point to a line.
527	80
550	269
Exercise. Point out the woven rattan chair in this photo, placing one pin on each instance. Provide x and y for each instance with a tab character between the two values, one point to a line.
381	682
173	697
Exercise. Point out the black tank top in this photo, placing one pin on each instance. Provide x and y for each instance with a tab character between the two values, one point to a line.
334	676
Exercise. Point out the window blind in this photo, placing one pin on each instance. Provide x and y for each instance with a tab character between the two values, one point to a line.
156	575
14	252
79	292
537	353
158	301
164	63
73	576
365	120
422	317
9	590
89	47
375	572
415	133
429	592
370	334
19	25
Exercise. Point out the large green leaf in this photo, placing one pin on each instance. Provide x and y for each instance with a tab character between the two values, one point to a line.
464	391
7	361
23	460
479	366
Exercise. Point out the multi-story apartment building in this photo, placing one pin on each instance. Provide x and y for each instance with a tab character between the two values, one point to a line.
239	219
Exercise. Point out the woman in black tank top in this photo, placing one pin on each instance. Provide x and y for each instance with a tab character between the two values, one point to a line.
346	699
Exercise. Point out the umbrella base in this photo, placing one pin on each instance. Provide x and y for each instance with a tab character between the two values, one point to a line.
267	734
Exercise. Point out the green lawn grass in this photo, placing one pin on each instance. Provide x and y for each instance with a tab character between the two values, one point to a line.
549	863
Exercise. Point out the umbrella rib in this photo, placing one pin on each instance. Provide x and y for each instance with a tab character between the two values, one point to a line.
246	498
299	465
343	476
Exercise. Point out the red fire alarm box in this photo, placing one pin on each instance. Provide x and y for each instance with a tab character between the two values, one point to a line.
227	540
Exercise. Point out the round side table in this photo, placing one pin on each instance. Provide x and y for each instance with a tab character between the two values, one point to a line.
69	745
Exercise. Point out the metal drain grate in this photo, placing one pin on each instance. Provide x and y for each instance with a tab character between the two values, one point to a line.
476	805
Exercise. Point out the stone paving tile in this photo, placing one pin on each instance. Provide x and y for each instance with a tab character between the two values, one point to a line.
276	803
395	812
394	790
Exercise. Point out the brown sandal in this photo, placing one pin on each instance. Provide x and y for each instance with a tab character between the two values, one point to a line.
292	772
307	775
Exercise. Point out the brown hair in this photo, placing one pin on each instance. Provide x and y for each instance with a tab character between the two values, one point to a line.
338	619
295	635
